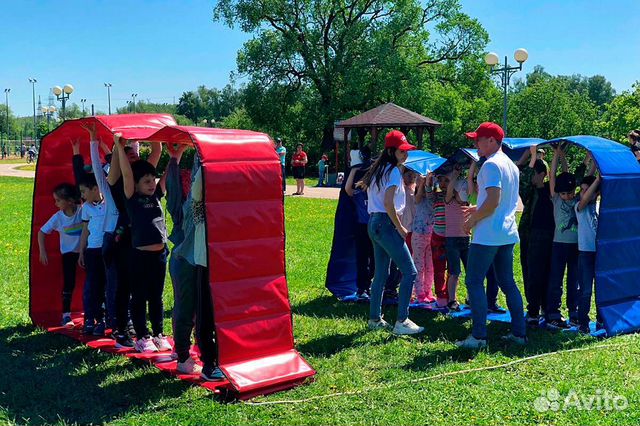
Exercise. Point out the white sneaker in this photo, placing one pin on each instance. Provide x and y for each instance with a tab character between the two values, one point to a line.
471	343
380	324
146	345
407	327
189	367
515	339
162	343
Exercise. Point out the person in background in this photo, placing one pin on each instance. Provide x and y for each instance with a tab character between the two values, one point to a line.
321	169
282	154
385	191
409	178
67	221
299	162
634	141
438	240
421	239
360	163
457	238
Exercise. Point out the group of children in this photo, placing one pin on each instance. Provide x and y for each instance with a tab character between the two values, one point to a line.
119	236
557	231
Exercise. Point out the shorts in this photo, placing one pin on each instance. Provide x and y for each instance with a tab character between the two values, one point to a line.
457	249
298	172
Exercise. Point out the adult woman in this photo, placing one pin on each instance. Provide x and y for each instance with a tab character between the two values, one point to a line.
298	163
386	201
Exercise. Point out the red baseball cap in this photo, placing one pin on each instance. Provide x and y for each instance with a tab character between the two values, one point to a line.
397	139
487	130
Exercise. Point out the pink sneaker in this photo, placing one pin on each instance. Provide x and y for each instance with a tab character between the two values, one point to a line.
145	345
162	343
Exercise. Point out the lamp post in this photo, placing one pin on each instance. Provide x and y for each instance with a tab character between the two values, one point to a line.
48	111
6	97
62	94
505	73
33	82
83	101
108	86
134	96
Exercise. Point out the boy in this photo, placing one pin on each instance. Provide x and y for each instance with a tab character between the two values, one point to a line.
564	252
587	215
93	215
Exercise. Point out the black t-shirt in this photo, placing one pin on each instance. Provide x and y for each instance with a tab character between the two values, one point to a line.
117	192
147	219
542	215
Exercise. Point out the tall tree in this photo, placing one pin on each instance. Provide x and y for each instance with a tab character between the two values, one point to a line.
347	55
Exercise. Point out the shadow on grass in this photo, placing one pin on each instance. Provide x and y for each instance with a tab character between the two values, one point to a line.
53	379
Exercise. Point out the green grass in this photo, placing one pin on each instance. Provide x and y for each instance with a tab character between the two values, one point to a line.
27	167
51	379
13	160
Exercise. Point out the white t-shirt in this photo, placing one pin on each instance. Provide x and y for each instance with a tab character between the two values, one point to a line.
94	214
500	228
375	193
69	228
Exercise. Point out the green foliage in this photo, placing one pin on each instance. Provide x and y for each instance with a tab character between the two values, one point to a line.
621	115
212	105
148	107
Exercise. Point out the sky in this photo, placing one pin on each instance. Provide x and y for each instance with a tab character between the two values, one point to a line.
160	49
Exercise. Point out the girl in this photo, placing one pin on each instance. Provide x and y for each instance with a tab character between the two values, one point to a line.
149	254
457	240
298	162
421	239
386	197
67	222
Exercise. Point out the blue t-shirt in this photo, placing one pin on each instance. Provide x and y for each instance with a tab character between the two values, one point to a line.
283	158
587	226
565	217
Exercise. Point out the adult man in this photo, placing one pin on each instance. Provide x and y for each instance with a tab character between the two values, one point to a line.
282	153
495	234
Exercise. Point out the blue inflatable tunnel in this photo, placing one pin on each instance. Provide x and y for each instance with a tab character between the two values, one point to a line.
514	147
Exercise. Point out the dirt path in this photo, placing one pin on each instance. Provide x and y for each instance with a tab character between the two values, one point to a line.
9	169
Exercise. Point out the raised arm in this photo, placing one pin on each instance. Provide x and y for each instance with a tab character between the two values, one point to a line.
552	172
156	152
471	187
451	195
420	187
529	153
125	167
114	170
348	187
589	194
77	161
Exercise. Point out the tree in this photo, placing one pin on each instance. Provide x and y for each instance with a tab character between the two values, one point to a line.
621	115
344	56
210	104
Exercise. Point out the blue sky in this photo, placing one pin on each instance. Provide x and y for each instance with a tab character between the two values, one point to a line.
159	49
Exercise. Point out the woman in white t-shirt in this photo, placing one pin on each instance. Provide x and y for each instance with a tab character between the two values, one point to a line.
386	202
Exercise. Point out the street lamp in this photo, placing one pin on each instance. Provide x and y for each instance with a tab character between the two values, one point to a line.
134	96
6	97
48	111
83	101
62	94
108	86
505	73
33	82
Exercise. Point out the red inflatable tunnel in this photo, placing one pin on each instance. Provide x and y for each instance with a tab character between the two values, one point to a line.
246	241
54	167
245	232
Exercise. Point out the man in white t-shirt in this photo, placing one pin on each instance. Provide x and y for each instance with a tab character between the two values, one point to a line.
495	234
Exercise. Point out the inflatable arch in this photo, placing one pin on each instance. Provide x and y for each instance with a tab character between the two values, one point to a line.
245	234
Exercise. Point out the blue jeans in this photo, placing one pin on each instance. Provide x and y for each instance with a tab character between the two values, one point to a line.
388	245
587	273
563	254
321	177
109	256
94	286
284	178
480	259
492	287
457	249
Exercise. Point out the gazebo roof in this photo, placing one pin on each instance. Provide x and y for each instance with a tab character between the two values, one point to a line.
388	115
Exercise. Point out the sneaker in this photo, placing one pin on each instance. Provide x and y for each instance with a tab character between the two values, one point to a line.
130	330
558	324
378	324
162	343
174	356
189	367
363	297
145	345
87	329
471	343
98	330
532	321
124	341
66	320
454	306
515	339
495	309
212	374
407	327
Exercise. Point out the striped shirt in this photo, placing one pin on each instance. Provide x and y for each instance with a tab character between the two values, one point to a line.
439	220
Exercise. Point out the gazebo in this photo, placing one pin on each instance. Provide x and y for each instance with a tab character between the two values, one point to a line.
384	116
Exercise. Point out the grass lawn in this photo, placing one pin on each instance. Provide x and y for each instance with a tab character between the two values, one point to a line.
13	160
27	167
384	380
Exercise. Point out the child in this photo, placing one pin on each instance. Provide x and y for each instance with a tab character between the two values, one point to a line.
457	240
438	239
564	252
93	214
409	179
421	240
149	254
67	222
321	168
587	215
